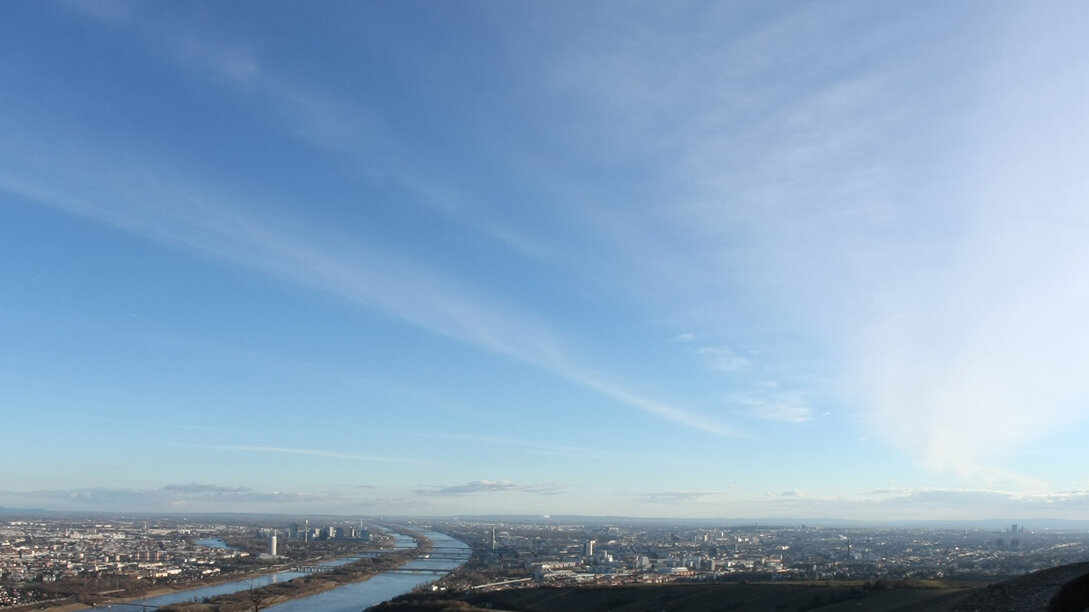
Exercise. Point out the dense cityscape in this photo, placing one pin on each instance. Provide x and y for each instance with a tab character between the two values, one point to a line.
50	561
84	559
658	552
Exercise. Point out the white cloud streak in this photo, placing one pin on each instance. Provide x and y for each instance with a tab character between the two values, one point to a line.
153	203
134	196
774	405
193	497
277	450
554	450
490	486
985	351
925	234
724	359
903	195
317	117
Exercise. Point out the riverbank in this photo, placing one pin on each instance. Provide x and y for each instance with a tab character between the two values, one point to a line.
202	588
71	605
75	606
306	586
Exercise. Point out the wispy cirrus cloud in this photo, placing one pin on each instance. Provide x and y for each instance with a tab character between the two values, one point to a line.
527	445
556	450
724	359
307	112
197	497
938	301
128	191
214	224
279	450
831	204
774	405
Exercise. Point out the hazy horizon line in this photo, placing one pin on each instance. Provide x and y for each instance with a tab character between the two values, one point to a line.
769	522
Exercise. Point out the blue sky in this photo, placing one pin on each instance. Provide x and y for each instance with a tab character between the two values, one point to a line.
699	259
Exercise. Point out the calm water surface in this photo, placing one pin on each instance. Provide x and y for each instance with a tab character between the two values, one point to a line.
449	553
214	543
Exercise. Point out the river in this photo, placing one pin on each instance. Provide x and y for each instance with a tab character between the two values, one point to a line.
214	543
447	554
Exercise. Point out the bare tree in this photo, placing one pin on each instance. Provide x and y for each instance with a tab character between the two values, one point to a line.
261	600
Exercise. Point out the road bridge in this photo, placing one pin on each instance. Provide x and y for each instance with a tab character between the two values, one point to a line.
110	604
313	569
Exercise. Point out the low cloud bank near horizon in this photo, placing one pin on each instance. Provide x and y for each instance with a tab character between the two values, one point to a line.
169	498
514	498
490	486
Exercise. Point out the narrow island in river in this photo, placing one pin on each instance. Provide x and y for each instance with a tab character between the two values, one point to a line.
256	599
177	560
